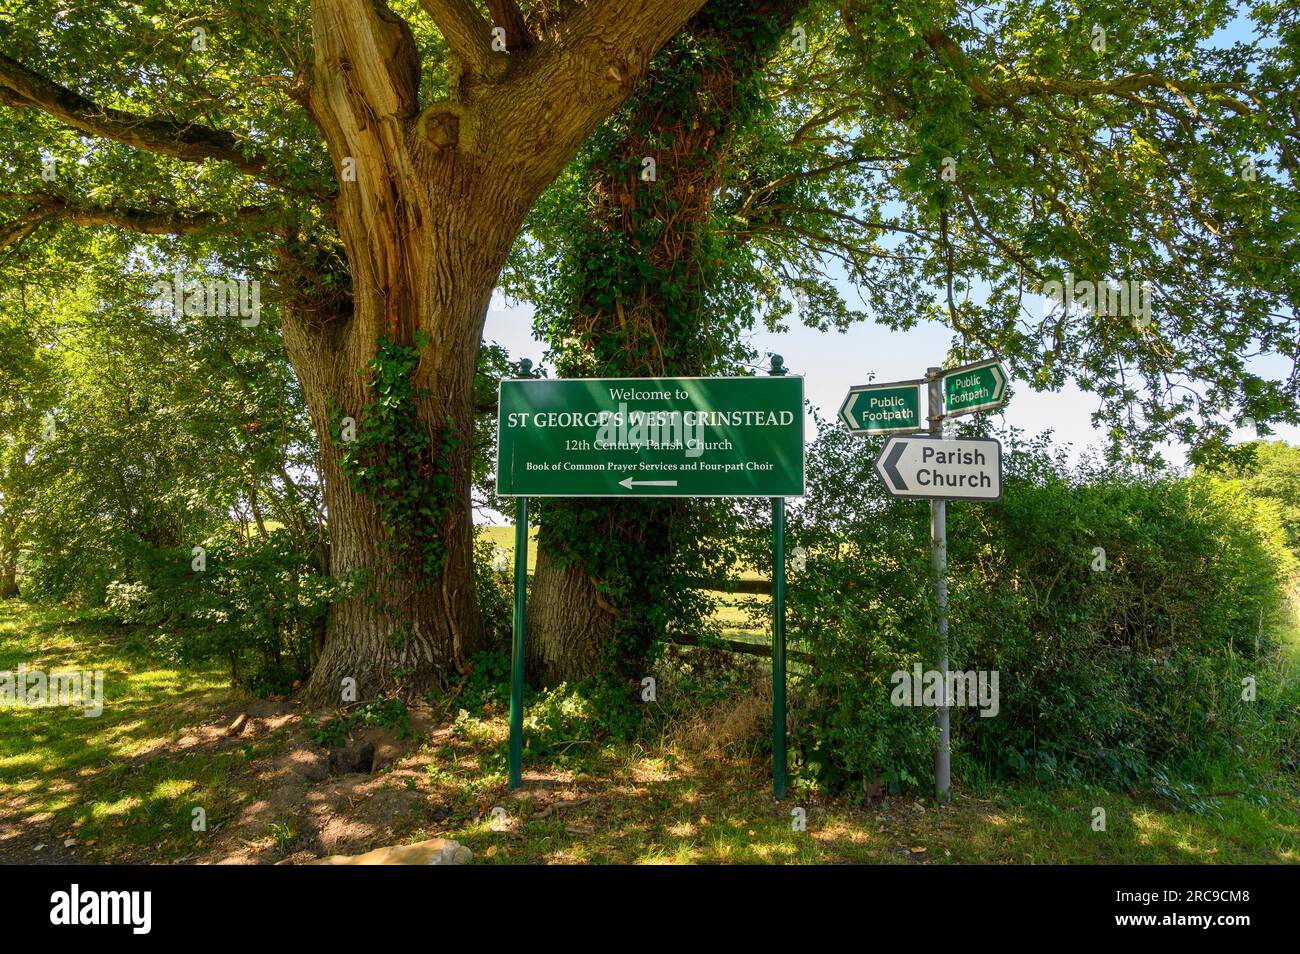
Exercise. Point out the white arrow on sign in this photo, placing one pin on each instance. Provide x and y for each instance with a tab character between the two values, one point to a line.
629	483
932	469
846	412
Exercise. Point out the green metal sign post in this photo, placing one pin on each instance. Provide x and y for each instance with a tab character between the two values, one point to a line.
779	767
652	437
939	564
517	644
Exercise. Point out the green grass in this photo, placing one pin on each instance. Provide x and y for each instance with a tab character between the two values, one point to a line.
109	781
504	537
1013	828
124	785
668	806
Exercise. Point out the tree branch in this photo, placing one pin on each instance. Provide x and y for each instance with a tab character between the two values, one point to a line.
46	208
21	87
465	31
1007	92
562	88
13	233
1130	83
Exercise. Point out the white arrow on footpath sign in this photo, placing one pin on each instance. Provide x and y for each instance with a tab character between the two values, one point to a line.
629	483
933	469
846	412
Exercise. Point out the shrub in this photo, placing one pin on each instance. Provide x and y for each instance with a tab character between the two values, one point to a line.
129	602
260	600
494	592
1132	673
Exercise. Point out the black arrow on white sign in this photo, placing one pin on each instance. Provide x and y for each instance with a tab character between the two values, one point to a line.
889	461
929	468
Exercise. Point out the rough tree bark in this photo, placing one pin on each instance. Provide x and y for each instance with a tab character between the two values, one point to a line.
569	623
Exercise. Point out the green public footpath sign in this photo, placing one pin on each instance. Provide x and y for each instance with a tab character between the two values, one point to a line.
976	387
883	408
651	437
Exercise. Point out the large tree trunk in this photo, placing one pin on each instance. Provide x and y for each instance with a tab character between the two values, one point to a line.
8	574
603	618
686	123
430	200
607	619
425	240
399	627
572	619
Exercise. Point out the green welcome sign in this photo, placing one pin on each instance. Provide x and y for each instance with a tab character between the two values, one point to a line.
651	437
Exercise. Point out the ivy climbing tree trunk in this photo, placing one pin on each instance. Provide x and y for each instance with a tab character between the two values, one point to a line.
399	624
601	564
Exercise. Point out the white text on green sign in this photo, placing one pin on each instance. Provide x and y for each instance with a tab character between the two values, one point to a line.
882	408
978	387
651	437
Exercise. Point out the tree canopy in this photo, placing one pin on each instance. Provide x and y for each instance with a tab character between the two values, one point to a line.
370	168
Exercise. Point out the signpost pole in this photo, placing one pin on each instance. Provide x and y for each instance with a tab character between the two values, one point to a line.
778	649
939	563
778	630
517	653
646	437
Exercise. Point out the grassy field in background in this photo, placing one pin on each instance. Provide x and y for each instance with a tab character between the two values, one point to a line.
504	537
122	787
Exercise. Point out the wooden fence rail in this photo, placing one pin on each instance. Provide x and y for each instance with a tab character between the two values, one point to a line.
740	646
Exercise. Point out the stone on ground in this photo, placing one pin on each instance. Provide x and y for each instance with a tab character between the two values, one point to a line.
435	851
